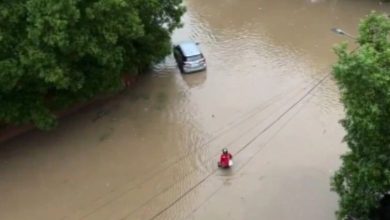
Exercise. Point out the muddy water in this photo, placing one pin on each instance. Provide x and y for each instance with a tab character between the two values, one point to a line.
150	153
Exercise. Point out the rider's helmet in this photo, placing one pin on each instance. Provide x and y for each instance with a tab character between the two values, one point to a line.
225	151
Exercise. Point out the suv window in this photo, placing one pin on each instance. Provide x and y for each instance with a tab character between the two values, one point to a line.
194	58
178	53
177	50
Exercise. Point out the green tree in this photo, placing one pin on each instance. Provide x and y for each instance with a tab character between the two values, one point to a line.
55	53
363	77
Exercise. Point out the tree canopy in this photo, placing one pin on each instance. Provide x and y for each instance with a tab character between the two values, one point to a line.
55	53
363	76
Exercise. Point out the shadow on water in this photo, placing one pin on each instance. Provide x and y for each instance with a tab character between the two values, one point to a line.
195	80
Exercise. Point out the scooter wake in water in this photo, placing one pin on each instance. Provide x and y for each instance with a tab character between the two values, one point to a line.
226	159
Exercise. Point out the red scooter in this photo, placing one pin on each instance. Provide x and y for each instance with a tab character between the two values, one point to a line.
226	159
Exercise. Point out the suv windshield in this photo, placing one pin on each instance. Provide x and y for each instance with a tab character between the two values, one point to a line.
194	58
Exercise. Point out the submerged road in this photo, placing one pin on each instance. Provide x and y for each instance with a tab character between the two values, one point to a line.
151	153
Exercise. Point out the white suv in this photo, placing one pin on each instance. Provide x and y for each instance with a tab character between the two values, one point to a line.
189	58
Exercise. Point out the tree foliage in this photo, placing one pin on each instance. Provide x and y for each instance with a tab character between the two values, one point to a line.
363	77
55	53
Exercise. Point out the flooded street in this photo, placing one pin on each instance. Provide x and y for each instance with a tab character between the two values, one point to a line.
151	152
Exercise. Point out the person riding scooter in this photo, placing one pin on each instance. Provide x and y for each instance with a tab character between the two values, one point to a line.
226	159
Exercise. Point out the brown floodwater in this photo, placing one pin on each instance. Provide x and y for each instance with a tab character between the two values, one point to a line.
151	152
